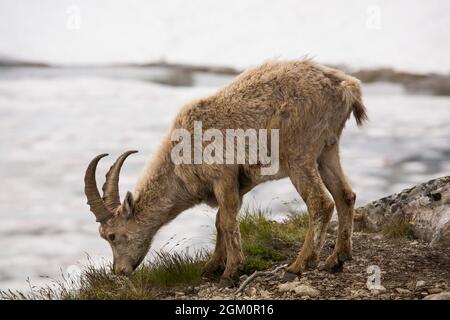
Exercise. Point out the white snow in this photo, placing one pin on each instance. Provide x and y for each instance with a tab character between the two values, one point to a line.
410	35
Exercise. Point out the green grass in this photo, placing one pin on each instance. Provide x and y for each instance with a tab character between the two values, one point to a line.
264	242
398	228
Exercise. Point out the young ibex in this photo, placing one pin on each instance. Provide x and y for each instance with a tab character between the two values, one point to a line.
308	103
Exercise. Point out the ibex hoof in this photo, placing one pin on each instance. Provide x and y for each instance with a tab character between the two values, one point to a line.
333	264
209	271
289	276
228	282
312	264
344	256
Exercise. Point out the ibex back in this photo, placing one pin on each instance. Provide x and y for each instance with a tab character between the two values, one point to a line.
308	103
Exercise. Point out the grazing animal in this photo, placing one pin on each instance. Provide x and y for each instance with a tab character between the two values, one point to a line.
308	103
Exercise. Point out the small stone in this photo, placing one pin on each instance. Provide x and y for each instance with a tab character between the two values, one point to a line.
288	286
438	296
434	290
332	227
378	287
304	290
377	236
250	291
375	290
402	290
357	293
289	277
265	294
420	284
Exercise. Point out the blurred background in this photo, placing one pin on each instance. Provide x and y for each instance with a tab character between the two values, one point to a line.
79	78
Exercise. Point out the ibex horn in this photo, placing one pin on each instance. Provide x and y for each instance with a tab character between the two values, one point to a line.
111	196
95	203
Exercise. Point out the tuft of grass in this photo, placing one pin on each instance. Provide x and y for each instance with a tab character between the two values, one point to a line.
99	283
397	228
173	270
168	270
265	242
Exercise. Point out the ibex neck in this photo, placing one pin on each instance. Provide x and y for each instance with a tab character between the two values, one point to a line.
159	197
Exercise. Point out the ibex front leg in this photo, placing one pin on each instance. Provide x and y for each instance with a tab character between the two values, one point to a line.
219	257
227	195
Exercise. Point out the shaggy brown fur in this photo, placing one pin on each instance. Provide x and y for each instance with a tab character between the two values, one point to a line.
309	104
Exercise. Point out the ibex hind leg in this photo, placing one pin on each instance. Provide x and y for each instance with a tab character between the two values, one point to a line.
309	185
337	184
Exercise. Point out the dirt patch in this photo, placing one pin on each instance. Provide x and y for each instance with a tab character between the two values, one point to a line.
410	269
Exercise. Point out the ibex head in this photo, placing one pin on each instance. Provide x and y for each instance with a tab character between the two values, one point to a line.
117	220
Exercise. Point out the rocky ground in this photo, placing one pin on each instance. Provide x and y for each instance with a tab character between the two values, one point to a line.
409	269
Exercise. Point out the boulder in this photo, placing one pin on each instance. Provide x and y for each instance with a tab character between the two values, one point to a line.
426	207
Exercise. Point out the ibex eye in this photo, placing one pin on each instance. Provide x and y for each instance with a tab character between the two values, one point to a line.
112	237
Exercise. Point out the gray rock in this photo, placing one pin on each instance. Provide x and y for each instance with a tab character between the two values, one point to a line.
288	286
402	290
420	284
299	289
426	206
304	290
358	293
375	290
265	294
434	290
332	227
250	291
438	296
376	236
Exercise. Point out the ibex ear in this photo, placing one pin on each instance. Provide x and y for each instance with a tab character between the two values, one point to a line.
128	205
